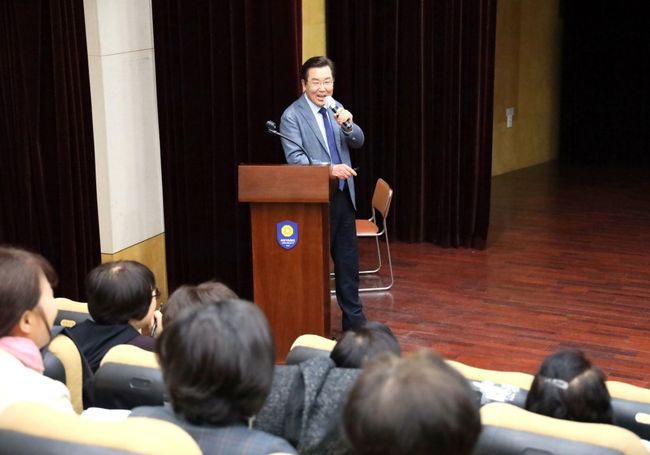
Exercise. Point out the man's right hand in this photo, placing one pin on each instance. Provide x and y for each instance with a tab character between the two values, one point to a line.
343	171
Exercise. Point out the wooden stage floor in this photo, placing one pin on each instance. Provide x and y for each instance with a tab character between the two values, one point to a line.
567	266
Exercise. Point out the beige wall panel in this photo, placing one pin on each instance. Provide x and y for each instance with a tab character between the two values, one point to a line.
527	77
313	28
151	253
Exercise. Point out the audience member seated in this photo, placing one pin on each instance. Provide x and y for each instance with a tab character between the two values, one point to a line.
307	346
414	405
567	386
27	312
362	343
121	300
306	404
306	401
217	361
187	295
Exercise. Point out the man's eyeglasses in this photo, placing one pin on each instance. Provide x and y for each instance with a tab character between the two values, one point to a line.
155	294
327	83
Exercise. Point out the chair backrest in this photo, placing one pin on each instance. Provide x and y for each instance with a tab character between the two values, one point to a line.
631	406
28	428
508	429
307	346
70	312
128	376
382	197
64	349
54	368
493	385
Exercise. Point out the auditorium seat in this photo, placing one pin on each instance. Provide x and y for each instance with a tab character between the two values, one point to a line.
510	430
307	346
631	406
54	368
65	350
70	312
128	376
493	385
28	428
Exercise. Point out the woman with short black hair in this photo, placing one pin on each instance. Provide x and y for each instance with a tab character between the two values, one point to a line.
217	361
567	386
122	299
362	343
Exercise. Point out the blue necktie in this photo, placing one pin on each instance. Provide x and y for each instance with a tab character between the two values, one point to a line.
331	142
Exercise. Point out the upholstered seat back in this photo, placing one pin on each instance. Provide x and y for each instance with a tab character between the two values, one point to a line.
70	312
128	377
493	385
65	350
307	346
29	428
510	430
631	406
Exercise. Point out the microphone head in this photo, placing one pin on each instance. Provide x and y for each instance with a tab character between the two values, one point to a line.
271	126
330	103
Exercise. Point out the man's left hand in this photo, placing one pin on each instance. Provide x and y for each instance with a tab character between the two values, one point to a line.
342	116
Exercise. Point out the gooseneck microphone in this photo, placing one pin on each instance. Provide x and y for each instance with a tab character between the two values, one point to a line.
272	128
331	104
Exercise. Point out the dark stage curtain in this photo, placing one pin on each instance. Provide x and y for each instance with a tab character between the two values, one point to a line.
605	116
48	199
418	76
222	69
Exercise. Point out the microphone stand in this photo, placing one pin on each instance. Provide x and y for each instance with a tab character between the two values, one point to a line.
273	129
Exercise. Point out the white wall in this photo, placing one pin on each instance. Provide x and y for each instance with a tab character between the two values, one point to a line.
125	121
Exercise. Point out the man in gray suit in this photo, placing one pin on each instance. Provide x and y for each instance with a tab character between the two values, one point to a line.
327	138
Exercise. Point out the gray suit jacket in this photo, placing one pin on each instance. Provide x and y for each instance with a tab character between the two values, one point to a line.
299	124
229	440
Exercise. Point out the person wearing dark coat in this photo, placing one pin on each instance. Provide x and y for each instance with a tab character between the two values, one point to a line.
305	405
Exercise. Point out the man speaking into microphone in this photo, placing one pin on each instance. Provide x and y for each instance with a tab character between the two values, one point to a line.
326	132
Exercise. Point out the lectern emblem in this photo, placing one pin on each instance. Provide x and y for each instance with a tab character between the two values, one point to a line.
287	234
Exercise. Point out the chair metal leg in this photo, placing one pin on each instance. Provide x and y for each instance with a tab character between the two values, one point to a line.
390	268
379	264
378	268
375	270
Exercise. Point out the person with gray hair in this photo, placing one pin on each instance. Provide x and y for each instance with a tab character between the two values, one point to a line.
188	295
415	405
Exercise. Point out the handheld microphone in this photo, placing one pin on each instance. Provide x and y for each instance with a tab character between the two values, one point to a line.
272	128
331	104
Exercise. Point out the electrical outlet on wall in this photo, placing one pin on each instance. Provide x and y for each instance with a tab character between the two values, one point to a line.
510	113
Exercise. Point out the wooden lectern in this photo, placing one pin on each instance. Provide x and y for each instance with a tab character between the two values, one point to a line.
290	235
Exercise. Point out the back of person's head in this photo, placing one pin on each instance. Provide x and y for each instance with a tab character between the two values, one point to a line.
120	291
25	280
217	361
362	343
567	386
188	295
416	405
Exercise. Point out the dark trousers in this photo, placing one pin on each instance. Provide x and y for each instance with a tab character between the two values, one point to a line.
345	254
